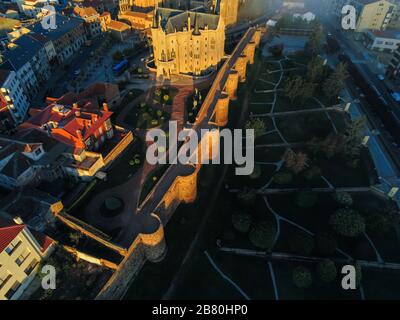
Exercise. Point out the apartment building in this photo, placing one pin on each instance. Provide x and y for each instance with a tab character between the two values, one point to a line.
92	20
21	251
371	14
387	41
393	69
14	106
93	141
67	39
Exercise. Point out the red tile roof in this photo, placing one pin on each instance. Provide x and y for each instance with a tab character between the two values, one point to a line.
71	126
44	241
8	232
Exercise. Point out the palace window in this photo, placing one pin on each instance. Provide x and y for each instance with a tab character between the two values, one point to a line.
12	247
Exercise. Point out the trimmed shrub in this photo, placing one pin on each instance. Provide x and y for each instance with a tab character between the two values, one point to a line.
242	222
326	270
302	277
263	235
347	222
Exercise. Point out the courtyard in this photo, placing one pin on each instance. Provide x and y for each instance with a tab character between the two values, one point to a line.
276	212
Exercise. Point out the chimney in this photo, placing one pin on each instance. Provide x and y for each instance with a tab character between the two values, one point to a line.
18	220
79	134
105	107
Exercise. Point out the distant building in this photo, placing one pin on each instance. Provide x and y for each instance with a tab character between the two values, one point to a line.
393	69
92	20
188	43
36	208
29	49
371	14
27	57
21	251
21	162
8	25
228	10
139	18
118	29
14	100
98	5
293	4
35	8
67	39
93	97
104	18
387	40
93	140
304	15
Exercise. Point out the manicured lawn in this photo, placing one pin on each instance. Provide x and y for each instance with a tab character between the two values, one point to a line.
119	172
318	291
304	127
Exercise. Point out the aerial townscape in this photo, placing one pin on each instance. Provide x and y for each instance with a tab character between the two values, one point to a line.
307	91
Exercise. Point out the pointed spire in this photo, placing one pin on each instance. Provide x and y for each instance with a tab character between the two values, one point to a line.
155	20
196	31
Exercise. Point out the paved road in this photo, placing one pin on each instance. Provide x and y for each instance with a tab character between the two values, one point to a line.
386	156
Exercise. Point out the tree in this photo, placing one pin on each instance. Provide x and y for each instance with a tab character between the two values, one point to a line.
118	55
343	198
283	177
347	222
297	87
335	82
301	243
315	69
242	222
382	221
306	199
330	146
302	277
263	235
277	50
326	244
247	196
295	161
314	43
353	137
326	270
313	173
258	125
75	237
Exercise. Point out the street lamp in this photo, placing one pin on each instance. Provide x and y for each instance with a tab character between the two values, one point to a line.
393	190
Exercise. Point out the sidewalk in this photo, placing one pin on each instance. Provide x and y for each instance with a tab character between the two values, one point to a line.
383	164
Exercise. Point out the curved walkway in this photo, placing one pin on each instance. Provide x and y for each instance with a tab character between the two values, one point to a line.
278	217
223	275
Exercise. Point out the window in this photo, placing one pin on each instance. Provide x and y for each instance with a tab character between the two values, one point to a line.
12	247
28	270
13	290
4	279
22	257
